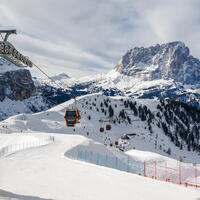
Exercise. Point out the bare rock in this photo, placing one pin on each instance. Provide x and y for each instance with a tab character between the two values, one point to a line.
166	61
16	85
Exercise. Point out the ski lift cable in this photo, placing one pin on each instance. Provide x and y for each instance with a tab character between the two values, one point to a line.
51	101
48	76
60	86
54	83
2	37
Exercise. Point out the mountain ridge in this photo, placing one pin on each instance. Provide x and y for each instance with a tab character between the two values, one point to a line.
139	79
170	60
166	70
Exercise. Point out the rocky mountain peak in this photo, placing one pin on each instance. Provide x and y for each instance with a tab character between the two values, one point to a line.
170	60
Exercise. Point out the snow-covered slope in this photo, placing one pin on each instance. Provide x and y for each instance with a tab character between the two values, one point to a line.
46	173
31	105
143	121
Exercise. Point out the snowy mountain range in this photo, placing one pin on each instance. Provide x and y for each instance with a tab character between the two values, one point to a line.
162	71
150	100
167	72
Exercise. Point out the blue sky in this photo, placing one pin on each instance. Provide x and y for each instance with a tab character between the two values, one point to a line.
85	37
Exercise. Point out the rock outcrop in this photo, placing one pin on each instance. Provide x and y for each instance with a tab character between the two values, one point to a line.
16	85
171	60
18	92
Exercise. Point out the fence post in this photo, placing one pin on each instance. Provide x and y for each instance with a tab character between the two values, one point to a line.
80	155
116	162
196	175
179	172
85	155
166	170
106	164
97	159
91	157
128	161
145	168
155	169
8	148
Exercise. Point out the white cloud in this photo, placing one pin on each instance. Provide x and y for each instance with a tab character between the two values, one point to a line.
90	36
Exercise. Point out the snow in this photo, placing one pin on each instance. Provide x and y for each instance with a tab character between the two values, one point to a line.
52	121
15	138
146	155
136	84
53	172
6	66
10	107
60	76
45	172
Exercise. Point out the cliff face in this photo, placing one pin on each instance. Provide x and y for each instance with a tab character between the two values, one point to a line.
16	85
171	60
18	92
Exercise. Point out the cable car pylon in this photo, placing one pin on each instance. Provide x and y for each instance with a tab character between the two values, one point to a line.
9	52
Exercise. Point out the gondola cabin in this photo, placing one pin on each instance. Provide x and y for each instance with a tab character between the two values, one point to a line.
72	117
101	129
108	127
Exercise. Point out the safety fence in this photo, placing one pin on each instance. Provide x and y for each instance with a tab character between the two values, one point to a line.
174	172
125	163
5	131
10	149
179	173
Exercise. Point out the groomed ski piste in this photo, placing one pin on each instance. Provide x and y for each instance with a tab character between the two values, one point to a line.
52	171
